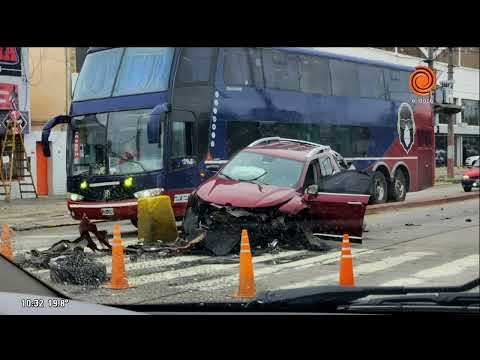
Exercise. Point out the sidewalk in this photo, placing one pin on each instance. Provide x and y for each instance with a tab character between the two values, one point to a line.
51	211
30	214
438	194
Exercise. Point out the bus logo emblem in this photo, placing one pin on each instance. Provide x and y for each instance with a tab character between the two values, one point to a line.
406	126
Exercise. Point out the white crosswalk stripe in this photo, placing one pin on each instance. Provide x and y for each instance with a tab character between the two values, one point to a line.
363	269
450	268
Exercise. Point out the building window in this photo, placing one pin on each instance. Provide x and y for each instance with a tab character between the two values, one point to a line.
471	146
441	150
470	112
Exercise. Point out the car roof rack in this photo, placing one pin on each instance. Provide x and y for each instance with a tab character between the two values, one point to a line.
277	138
318	148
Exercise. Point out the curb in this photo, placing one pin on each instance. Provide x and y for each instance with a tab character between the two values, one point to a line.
376	209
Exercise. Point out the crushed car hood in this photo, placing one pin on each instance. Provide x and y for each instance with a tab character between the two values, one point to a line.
243	194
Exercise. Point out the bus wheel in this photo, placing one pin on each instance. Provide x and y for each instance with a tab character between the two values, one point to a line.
399	186
134	222
380	190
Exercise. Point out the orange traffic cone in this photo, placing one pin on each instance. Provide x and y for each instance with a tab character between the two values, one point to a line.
5	244
246	288
119	277
346	263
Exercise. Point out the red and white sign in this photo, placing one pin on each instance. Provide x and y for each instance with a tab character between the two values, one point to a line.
9	55
7	92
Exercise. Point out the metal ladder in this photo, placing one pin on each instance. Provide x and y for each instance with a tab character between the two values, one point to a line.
17	160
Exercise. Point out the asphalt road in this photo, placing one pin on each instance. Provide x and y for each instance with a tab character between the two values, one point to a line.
437	245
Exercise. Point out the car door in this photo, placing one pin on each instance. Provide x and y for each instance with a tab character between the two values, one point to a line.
333	213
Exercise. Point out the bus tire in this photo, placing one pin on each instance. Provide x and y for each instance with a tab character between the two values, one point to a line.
134	222
379	189
399	186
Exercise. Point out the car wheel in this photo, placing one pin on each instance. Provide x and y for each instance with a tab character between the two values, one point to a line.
379	189
467	188
134	222
399	188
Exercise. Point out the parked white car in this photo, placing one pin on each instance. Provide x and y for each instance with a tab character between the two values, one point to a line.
472	160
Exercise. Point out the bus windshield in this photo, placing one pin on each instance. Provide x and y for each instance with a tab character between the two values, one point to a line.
124	71
113	144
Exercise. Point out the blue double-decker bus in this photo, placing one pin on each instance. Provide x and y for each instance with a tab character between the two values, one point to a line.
155	120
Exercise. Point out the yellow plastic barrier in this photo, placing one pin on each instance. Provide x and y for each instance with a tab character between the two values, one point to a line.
156	221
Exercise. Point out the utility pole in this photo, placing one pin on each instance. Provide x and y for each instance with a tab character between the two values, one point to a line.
451	119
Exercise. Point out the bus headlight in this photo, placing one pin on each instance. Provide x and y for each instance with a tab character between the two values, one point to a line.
76	197
149	193
128	182
84	185
466	177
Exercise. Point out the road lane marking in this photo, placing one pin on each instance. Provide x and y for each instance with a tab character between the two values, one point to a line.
171	261
232	279
451	268
204	269
362	269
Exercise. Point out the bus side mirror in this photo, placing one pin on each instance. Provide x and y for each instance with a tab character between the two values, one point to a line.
60	119
154	128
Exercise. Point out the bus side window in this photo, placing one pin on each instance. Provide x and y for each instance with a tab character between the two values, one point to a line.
372	82
196	66
315	75
242	67
344	78
397	82
281	70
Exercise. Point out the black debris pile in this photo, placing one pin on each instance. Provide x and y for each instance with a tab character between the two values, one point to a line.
41	259
268	230
77	269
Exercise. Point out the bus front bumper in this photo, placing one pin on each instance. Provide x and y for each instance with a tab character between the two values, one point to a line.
96	210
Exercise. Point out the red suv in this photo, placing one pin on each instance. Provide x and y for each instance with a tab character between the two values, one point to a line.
281	190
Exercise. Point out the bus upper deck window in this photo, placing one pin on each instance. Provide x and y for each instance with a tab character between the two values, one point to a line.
196	66
144	70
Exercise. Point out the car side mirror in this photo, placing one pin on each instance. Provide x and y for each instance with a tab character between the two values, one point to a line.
311	190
